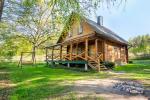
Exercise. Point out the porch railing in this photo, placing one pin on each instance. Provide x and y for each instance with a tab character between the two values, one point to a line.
97	58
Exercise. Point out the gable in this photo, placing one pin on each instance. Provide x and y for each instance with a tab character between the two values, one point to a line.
74	30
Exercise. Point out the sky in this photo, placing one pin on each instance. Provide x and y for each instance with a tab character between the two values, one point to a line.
127	20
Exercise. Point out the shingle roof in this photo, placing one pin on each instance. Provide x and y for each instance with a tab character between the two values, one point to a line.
103	31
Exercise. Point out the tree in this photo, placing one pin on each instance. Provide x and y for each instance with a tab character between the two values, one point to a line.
37	20
1	8
7	44
141	45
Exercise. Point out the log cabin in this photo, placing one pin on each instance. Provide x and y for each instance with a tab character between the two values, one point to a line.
88	42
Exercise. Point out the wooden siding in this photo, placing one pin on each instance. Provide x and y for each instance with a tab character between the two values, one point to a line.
115	52
75	30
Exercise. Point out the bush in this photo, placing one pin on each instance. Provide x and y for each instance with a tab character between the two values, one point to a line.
109	65
130	62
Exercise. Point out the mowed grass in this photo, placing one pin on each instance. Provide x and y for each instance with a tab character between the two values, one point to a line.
41	82
140	69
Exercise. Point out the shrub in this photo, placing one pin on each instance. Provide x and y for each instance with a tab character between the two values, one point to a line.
108	64
130	62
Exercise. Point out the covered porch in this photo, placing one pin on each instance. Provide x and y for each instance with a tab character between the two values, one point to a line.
88	50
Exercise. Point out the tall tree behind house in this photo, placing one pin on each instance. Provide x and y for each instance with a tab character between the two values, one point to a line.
1	8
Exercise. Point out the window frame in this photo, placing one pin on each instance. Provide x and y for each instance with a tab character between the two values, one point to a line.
70	33
80	28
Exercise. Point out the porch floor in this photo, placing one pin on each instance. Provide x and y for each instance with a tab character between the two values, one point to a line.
68	61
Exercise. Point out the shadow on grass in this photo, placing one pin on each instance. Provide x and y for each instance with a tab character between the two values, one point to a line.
37	82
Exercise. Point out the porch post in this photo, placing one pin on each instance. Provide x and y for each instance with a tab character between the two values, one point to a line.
86	49
77	49
96	48
127	57
46	56
61	52
104	50
52	53
68	65
70	51
86	67
52	56
96	52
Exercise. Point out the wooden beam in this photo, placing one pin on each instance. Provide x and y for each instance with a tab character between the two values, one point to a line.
86	49
70	51
21	59
126	52
46	56
104	50
52	54
61	52
96	47
96	52
77	48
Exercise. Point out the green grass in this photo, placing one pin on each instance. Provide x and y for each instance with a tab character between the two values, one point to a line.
34	83
40	82
140	69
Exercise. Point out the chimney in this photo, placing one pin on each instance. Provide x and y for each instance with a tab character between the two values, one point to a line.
100	20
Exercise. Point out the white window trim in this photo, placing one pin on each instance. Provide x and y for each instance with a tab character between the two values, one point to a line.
80	30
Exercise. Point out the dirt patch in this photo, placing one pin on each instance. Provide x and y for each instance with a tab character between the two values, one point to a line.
5	85
103	88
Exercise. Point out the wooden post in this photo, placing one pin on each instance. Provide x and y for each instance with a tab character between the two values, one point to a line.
104	50
77	49
52	55
127	57
46	56
96	48
86	49
68	64
70	51
86	67
96	52
21	59
126	54
61	52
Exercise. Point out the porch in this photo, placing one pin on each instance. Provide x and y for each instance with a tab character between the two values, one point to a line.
90	51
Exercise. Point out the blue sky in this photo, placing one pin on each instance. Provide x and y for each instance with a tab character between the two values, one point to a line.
128	20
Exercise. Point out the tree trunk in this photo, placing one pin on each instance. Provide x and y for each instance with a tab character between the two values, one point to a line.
34	54
1	8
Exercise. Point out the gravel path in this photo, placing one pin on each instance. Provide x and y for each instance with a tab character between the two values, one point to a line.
103	88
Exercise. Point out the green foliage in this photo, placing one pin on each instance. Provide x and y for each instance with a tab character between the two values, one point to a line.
7	50
130	62
109	65
141	45
7	47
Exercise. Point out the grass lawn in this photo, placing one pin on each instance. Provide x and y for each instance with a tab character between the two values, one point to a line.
139	70
40	82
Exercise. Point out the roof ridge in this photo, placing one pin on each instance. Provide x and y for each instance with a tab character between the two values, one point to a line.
106	30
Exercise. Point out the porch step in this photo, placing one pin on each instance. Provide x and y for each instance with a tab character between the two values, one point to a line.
94	65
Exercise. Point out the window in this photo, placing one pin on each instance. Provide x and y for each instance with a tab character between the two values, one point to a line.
70	32
80	28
